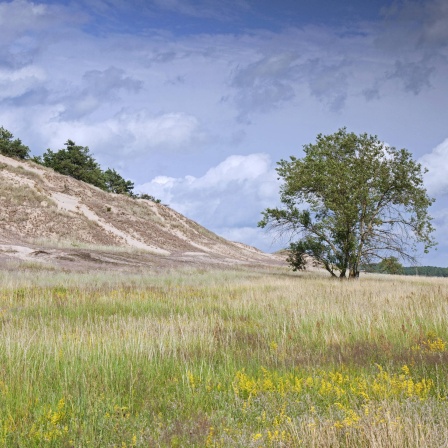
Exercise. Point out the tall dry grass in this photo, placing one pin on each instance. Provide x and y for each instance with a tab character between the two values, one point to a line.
238	358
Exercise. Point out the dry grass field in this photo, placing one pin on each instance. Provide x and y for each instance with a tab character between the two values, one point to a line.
234	358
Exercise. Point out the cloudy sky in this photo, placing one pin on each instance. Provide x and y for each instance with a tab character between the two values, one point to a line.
196	100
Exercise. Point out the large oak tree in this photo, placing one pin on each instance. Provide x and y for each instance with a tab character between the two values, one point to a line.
351	200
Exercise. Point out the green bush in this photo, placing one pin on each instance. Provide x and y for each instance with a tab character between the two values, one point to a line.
12	148
77	162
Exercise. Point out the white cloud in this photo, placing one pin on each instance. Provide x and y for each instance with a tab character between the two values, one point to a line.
436	180
24	24
253	236
14	83
235	168
227	199
20	15
129	133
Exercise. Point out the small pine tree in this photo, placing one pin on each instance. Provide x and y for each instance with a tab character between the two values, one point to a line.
77	162
12	148
117	184
149	197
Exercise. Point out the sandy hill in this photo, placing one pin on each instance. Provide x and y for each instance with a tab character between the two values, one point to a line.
51	218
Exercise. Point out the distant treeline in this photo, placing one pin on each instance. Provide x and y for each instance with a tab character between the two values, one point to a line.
426	271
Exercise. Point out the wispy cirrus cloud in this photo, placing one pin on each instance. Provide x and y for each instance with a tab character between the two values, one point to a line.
27	26
17	82
266	83
205	8
414	76
415	36
415	25
99	87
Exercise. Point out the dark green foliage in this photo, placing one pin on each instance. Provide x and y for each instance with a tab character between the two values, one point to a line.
10	147
426	271
77	162
116	184
74	161
352	199
390	265
429	271
37	159
148	197
312	247
371	268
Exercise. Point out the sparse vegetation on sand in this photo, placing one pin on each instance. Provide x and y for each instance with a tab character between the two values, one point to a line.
222	359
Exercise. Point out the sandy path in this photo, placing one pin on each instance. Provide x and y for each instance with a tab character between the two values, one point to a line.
16	251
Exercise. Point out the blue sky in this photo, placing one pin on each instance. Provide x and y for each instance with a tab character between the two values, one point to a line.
196	101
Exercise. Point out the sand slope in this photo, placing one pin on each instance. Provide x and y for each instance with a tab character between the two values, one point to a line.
46	216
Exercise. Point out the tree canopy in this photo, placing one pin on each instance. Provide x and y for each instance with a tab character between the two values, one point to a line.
350	200
115	183
77	162
149	197
390	265
12	148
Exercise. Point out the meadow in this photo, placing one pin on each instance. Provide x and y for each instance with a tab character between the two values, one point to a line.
231	358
